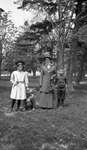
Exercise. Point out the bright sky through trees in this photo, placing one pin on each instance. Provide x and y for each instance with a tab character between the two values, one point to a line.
17	16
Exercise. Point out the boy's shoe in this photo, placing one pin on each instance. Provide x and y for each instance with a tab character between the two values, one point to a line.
63	105
32	110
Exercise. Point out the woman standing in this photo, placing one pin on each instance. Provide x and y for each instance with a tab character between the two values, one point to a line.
46	92
19	80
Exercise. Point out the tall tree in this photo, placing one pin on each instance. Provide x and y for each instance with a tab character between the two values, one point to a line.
79	38
61	20
1	35
8	45
27	48
59	16
79	47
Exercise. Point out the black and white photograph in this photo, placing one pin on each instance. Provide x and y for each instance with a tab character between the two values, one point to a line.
43	74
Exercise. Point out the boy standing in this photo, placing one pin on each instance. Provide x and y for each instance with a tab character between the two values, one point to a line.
61	84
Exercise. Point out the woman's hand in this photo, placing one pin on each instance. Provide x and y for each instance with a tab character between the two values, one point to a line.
15	83
27	88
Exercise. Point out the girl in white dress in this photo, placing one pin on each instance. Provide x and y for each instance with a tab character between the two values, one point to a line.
19	80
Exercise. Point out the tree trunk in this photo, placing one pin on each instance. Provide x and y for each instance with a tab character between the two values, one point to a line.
80	73
60	57
70	72
70	84
0	57
0	70
34	72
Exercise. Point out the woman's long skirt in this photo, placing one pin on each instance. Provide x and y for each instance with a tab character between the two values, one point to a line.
46	100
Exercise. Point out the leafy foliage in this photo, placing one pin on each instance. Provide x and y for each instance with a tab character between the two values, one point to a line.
8	45
56	28
57	23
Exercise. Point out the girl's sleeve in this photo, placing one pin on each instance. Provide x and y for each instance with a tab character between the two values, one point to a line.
26	80
12	79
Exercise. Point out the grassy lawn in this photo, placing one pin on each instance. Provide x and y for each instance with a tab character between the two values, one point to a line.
57	129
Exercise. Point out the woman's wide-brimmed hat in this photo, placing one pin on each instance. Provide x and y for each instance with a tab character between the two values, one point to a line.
46	55
61	71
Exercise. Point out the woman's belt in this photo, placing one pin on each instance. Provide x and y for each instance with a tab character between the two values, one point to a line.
46	92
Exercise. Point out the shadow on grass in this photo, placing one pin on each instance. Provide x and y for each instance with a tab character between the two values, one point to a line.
4	89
